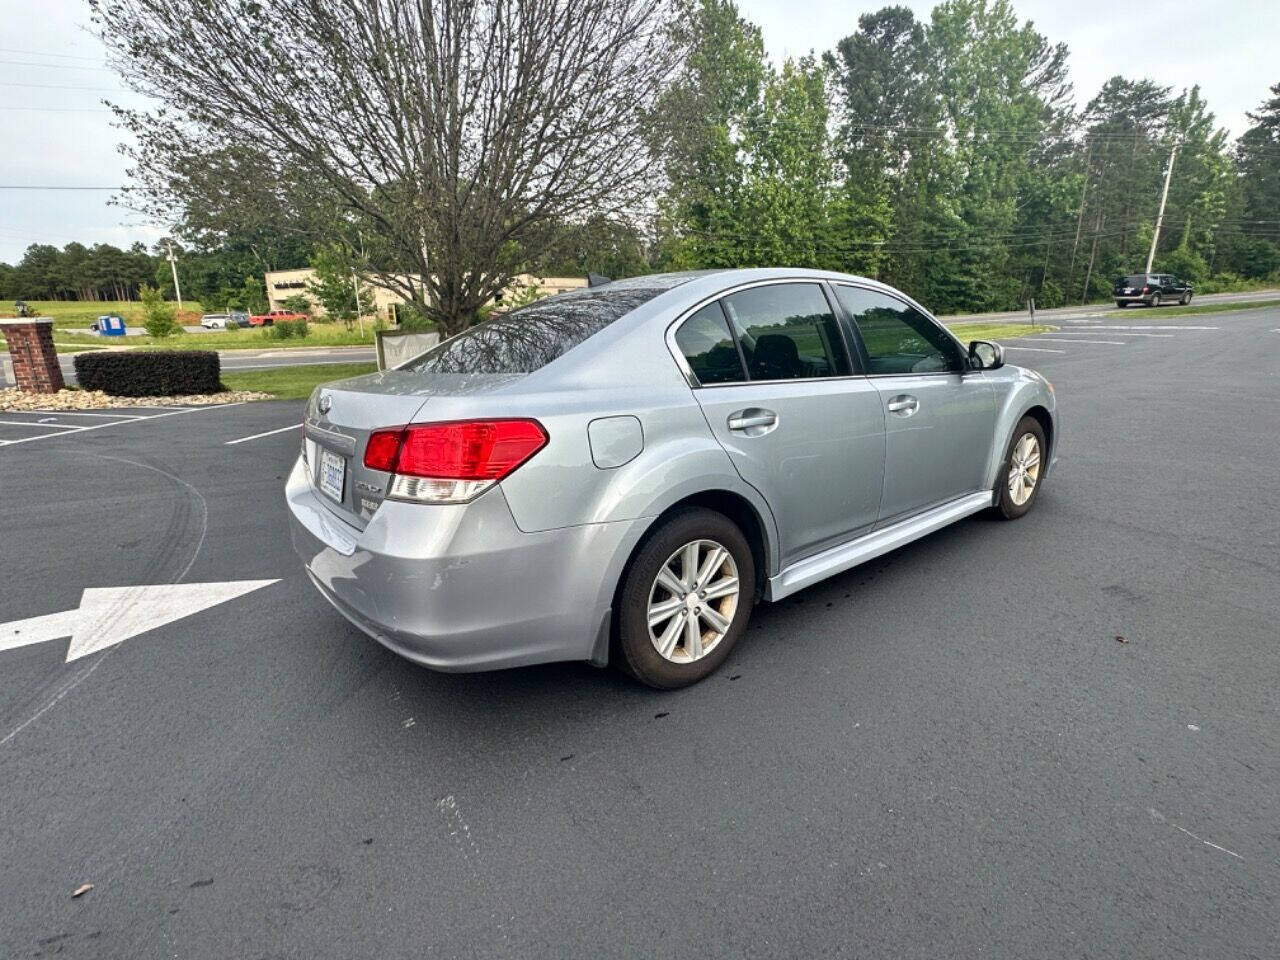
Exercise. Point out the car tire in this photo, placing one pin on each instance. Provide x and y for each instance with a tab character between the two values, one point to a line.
1007	492
719	621
1186	299
1155	300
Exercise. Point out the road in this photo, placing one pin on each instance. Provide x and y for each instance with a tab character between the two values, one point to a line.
1055	737
1055	314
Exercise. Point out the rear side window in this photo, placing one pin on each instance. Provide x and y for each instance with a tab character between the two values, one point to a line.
787	332
708	347
898	338
528	339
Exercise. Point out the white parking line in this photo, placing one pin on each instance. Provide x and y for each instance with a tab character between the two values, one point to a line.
1014	346
1151	326
33	423
72	431
269	433
77	413
1127	333
1056	339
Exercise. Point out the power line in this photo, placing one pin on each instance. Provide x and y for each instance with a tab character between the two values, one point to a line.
38	53
60	109
55	86
26	186
55	66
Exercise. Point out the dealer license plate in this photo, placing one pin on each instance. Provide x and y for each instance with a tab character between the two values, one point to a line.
333	473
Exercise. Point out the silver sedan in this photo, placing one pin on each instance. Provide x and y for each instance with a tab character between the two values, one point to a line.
621	473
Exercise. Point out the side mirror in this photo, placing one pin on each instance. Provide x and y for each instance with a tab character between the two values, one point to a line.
985	355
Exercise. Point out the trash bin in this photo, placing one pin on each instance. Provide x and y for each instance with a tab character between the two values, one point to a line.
111	325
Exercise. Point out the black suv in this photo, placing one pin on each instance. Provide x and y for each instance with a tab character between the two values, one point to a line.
1151	289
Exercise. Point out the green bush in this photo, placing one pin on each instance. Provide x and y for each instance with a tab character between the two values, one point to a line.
1185	264
288	329
149	373
160	318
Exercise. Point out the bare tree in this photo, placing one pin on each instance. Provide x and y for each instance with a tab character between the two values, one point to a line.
450	134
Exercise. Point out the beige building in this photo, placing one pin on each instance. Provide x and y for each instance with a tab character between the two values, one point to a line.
283	284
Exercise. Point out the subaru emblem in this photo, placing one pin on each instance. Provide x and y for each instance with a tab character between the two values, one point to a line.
326	402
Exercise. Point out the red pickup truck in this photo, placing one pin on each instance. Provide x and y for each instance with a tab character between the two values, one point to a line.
267	319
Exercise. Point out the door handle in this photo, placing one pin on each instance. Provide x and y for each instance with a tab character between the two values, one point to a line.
753	418
904	405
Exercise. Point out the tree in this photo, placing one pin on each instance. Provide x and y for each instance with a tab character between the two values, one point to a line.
700	131
333	287
159	315
452	132
887	144
1254	243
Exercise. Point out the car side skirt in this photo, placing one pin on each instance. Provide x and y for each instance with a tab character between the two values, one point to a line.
837	559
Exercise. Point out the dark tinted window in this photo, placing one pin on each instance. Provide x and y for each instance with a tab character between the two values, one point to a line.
707	345
529	338
787	332
1136	280
898	338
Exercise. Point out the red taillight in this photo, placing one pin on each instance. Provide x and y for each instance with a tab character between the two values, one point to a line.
1146	289
380	452
464	450
469	450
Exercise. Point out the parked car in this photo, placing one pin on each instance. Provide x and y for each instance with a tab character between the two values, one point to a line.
215	321
622	472
1151	289
274	316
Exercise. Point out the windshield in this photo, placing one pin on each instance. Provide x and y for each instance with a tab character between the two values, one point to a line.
529	338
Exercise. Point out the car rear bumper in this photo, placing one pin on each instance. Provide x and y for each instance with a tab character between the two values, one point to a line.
1130	298
461	587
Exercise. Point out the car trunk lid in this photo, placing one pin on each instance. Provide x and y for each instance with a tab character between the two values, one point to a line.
340	416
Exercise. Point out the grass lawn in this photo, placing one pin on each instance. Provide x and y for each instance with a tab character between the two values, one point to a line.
996	331
318	335
76	313
294	383
1194	308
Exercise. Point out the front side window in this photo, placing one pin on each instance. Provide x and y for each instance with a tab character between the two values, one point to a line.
898	338
708	347
528	339
787	332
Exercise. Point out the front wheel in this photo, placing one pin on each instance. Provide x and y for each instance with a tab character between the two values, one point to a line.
1186	298
685	600
1024	464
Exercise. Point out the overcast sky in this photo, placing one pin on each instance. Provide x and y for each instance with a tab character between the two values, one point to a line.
57	133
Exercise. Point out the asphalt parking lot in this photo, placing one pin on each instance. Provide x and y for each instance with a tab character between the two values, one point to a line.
1057	737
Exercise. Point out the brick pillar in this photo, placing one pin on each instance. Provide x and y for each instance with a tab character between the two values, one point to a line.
34	357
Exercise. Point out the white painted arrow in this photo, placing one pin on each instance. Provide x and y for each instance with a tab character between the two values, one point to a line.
110	615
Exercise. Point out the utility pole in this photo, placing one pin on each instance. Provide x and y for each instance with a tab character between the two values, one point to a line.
173	265
355	285
1164	196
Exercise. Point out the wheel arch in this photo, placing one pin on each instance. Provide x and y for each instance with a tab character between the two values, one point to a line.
733	504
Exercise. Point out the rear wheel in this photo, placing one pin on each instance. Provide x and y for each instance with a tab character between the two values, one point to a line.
1155	300
685	600
1024	465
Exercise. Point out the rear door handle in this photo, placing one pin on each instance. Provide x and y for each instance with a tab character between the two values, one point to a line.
753	419
904	405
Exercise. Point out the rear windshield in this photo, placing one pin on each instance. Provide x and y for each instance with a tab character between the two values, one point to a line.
1134	280
528	339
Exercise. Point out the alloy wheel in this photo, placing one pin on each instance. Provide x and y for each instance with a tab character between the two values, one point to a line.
692	601
1024	468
